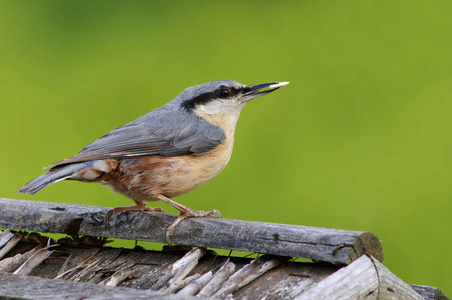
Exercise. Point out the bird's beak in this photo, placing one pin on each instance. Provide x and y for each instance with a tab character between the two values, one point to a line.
258	90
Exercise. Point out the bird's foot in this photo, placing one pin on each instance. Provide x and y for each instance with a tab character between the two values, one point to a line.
186	212
141	206
213	213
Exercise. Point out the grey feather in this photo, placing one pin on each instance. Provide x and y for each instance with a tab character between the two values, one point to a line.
52	176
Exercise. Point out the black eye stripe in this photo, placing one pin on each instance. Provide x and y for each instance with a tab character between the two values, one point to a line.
200	99
207	97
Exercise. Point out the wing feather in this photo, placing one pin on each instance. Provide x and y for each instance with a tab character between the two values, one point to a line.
163	133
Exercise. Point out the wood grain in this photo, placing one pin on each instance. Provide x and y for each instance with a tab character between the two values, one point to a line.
429	292
365	278
321	244
29	287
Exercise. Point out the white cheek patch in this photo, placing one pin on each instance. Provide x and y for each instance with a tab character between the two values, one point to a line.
221	107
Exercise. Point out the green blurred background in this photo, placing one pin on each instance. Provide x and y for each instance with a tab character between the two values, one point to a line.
360	139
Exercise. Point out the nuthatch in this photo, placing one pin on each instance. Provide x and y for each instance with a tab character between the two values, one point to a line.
165	153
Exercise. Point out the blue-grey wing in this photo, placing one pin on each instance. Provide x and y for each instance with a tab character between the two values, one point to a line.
168	134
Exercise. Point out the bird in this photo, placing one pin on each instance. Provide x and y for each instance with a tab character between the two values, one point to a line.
165	153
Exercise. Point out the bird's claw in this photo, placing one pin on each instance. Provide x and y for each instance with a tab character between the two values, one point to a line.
107	215
155	209
213	213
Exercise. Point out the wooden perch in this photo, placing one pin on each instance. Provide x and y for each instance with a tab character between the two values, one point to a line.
323	244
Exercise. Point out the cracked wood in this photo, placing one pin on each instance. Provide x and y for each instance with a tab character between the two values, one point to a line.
322	244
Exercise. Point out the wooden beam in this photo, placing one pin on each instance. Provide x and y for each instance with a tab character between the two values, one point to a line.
323	244
29	287
365	278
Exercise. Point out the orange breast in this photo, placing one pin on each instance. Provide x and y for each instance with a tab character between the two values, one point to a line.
143	178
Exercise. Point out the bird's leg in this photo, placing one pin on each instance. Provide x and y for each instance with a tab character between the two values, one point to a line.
184	213
141	206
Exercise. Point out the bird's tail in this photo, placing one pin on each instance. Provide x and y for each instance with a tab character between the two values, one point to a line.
53	175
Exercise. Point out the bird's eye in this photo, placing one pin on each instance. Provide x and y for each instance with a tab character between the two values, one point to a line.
223	93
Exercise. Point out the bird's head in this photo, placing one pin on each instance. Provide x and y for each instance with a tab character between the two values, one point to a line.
223	98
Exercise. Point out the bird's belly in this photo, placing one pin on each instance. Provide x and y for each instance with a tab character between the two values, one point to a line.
186	174
143	178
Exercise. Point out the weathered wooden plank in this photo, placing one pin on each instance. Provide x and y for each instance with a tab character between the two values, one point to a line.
429	292
286	281
5	236
221	276
11	264
12	242
247	274
180	269
365	278
323	244
195	286
33	261
142	268
176	286
29	287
